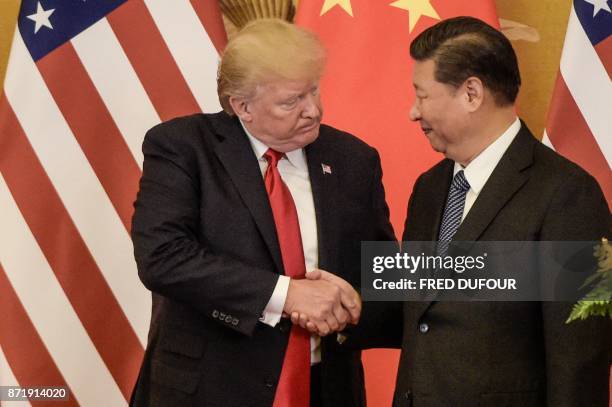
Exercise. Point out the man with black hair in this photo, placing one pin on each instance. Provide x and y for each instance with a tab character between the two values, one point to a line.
497	183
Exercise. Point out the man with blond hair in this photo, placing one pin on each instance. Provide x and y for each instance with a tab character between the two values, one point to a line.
233	209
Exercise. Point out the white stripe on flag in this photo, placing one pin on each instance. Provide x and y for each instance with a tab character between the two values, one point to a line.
546	140
191	48
56	322
116	81
592	96
7	378
77	185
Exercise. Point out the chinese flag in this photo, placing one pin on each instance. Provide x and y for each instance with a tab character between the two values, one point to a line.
367	91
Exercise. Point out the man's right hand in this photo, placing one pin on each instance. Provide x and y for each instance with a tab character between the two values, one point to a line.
320	302
325	309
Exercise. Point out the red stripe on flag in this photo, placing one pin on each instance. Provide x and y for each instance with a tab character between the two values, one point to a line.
604	51
146	50
572	138
93	127
25	351
67	254
209	14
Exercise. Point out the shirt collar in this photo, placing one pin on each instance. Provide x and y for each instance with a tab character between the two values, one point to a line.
297	158
478	171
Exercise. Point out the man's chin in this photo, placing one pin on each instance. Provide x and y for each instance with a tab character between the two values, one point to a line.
309	135
298	141
433	141
438	147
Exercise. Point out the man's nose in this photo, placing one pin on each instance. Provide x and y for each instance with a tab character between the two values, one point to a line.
415	113
312	106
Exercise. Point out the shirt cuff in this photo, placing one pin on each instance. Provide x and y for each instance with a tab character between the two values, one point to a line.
274	310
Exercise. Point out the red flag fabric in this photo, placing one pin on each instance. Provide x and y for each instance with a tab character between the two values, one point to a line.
367	91
85	80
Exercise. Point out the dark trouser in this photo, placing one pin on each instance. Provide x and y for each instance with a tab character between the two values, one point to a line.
315	386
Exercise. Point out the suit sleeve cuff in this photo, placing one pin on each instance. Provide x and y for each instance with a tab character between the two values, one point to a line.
274	310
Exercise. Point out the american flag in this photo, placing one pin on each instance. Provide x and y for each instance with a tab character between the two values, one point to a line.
579	124
85	80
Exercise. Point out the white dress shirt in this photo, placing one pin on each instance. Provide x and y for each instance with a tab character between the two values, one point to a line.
293	170
478	171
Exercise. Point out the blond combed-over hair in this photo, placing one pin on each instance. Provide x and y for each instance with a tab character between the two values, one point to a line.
267	50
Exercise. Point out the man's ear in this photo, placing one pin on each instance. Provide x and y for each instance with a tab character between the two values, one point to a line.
474	93
240	105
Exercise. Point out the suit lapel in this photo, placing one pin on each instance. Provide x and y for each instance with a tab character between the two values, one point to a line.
507	178
439	184
324	185
438	198
236	155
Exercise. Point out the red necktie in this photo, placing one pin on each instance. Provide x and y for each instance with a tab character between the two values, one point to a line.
294	384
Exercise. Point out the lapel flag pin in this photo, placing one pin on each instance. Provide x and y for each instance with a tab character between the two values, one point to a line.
326	168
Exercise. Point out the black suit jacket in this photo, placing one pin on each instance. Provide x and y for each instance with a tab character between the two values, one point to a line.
517	354
206	246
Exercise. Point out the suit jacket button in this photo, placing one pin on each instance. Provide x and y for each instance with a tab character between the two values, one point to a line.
235	321
423	328
228	319
269	384
408	397
215	314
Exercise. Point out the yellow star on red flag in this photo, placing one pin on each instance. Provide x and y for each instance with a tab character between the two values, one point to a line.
416	9
344	4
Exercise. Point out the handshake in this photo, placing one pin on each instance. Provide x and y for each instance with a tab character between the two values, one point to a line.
322	303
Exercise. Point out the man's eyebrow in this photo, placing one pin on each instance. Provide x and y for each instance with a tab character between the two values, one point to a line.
292	94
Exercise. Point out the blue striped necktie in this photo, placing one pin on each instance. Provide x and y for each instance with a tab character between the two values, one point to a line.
453	211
